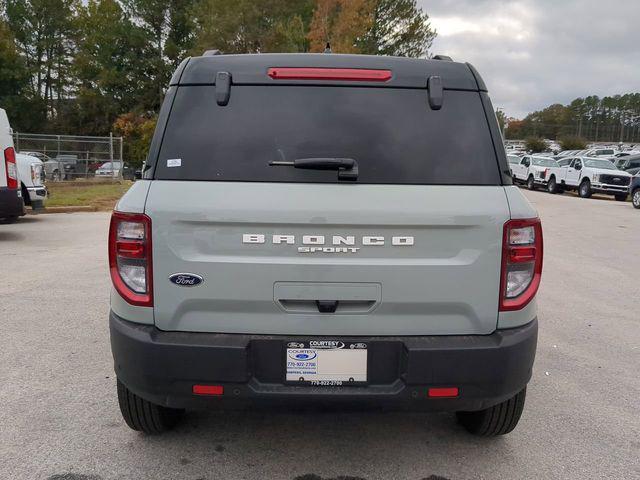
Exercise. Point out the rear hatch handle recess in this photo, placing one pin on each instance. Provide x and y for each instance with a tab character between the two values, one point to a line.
347	167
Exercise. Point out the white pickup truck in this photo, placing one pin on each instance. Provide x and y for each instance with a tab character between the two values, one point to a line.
588	175
532	170
31	175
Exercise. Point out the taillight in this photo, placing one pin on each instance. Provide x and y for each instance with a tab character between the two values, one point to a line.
345	74
521	263
10	166
36	173
130	257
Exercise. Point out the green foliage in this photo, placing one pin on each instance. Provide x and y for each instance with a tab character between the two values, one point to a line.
14	81
247	26
108	66
535	144
167	33
399	28
372	27
137	131
44	36
572	142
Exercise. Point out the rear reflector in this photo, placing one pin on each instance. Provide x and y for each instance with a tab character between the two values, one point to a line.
443	392
208	389
346	74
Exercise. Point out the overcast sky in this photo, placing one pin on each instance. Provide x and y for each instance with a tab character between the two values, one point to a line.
532	53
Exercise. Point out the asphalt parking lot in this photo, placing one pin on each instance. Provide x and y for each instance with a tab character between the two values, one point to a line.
59	417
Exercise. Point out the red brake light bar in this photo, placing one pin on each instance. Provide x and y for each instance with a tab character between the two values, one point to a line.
346	74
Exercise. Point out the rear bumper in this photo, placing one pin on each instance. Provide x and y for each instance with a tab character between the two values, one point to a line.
11	203
37	196
162	367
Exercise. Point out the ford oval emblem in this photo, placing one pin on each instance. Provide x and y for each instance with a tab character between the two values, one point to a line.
302	355
186	279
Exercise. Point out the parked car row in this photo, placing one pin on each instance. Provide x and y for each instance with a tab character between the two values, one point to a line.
68	167
586	172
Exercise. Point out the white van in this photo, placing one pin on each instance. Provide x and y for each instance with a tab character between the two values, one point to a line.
11	203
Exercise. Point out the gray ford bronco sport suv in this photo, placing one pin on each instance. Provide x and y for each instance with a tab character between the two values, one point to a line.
319	228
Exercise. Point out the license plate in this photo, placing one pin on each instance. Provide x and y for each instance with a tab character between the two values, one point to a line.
326	363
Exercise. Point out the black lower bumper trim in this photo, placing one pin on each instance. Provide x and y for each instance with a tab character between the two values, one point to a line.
162	367
11	205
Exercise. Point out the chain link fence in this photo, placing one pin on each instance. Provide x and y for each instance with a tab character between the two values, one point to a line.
70	157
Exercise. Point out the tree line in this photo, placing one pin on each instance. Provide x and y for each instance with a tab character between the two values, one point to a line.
608	119
90	68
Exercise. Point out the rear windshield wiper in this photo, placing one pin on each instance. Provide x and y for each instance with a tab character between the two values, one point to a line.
347	167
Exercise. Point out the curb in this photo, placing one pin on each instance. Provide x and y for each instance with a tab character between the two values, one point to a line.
79	208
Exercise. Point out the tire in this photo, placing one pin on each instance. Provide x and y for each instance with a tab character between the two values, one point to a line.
552	186
144	416
25	195
531	184
497	420
584	190
621	197
635	198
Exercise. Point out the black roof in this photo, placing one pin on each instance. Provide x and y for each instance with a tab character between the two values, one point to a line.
252	69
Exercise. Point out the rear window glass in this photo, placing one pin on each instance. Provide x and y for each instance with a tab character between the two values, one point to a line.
544	162
391	133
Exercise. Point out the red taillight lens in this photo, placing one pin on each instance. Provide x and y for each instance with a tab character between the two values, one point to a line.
212	390
10	167
346	74
521	263
130	257
443	392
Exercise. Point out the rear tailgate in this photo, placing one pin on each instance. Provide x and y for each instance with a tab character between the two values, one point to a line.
412	247
447	282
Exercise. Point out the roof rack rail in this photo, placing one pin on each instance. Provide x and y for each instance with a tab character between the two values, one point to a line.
446	58
211	53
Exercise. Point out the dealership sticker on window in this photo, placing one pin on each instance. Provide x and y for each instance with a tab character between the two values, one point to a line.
174	162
